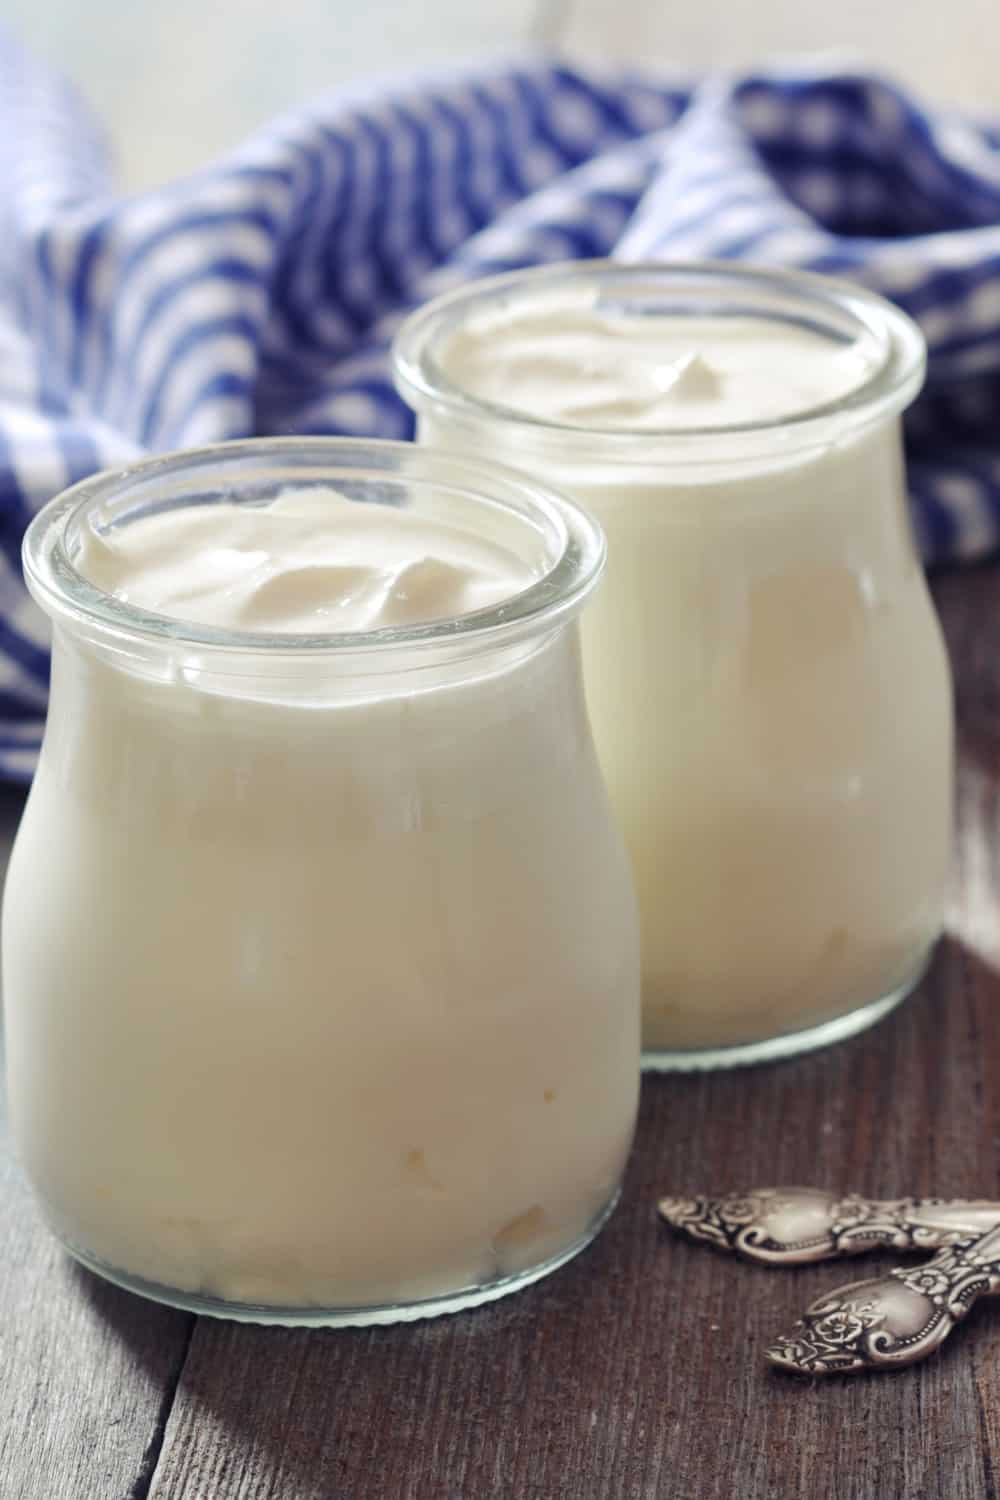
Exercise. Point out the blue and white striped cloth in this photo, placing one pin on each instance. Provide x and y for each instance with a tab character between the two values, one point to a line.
259	295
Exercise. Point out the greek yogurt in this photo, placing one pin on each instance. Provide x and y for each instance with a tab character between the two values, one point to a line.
764	672
321	964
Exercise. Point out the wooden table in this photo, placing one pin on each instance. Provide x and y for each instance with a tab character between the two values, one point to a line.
634	1372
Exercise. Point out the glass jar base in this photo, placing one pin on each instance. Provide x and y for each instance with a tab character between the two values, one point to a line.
790	1044
345	1317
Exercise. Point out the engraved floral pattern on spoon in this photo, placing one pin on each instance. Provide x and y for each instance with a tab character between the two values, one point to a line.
797	1225
894	1320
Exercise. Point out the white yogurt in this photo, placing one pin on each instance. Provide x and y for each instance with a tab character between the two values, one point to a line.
308	562
764	672
322	990
585	364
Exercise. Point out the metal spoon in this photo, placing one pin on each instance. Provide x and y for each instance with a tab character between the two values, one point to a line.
795	1225
891	1320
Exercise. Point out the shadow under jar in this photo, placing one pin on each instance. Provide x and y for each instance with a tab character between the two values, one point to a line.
320	951
765	675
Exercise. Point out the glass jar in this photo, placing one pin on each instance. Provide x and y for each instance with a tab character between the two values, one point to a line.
765	674
320	952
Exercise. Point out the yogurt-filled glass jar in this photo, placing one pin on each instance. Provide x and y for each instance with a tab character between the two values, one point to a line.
765	674
320	950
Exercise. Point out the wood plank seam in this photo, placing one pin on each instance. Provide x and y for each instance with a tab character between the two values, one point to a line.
151	1457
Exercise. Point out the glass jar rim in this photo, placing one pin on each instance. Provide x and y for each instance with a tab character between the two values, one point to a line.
64	592
887	387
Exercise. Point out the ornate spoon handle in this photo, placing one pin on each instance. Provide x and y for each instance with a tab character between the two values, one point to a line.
792	1226
892	1320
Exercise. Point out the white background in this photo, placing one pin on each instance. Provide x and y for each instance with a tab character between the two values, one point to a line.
177	81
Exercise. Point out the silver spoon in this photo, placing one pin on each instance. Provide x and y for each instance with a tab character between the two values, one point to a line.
795	1225
891	1320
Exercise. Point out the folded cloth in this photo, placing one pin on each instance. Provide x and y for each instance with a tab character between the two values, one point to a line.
259	295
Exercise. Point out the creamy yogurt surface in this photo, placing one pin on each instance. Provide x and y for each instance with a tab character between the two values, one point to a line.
588	364
309	562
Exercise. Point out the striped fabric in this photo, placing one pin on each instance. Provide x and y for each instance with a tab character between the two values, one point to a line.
259	295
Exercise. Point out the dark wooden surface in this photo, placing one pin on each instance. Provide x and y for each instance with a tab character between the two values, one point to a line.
635	1372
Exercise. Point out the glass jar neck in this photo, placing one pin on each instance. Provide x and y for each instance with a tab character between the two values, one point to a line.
311	681
560	547
840	313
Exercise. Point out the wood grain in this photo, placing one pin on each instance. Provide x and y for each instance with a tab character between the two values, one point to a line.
88	1372
634	1373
